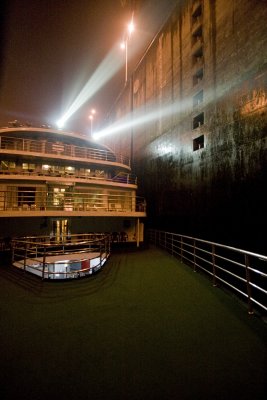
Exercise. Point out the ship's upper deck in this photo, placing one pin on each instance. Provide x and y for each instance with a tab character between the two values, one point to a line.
57	144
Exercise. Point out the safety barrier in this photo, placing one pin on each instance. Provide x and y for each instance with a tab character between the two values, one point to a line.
61	149
70	257
243	272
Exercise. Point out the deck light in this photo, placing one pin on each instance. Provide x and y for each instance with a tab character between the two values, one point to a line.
60	123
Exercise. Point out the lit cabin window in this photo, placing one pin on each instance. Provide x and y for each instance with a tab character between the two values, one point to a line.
70	170
58	197
99	173
5	165
28	167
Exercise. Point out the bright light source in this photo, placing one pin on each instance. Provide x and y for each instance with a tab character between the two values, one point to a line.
131	27
60	123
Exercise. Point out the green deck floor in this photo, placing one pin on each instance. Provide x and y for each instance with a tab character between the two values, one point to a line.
145	327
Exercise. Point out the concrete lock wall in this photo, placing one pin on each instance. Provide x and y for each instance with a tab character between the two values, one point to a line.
202	165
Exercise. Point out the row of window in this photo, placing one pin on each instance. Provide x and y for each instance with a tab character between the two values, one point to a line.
59	198
198	71
49	169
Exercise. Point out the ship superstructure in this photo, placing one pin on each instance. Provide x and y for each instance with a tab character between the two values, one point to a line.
59	183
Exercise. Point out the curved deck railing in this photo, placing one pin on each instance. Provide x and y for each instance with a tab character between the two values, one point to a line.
45	147
68	257
18	173
243	272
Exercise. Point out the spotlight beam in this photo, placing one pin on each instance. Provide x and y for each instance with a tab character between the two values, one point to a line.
106	70
141	117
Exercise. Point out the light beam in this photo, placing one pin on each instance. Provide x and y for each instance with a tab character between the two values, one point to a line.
158	112
106	70
141	117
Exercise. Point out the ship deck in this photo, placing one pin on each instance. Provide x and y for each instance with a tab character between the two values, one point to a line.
146	327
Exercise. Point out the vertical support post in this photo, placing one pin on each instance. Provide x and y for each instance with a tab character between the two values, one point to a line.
44	261
126	60
194	248
131	107
13	252
25	256
214	281
137	232
247	265
100	254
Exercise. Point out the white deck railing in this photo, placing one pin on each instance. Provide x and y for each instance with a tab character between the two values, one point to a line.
74	256
121	178
60	149
242	272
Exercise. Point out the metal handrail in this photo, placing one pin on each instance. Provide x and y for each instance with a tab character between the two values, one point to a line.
241	271
42	200
60	148
122	178
35	254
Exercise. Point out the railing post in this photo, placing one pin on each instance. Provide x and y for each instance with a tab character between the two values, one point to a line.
102	256
247	265
44	260
214	281
13	252
182	248
194	244
25	256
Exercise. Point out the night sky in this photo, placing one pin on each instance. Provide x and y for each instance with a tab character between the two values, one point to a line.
50	48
